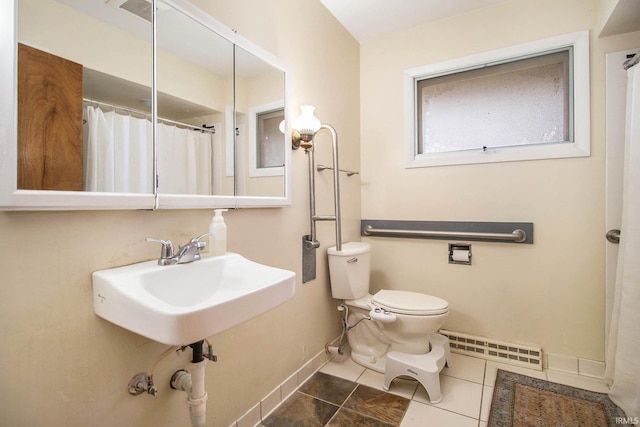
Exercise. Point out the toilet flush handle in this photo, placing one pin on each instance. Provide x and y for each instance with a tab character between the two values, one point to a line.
352	260
381	315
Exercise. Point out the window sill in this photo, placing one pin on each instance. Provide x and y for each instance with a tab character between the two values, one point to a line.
503	154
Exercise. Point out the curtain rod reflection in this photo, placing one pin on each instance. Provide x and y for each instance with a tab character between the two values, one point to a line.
203	128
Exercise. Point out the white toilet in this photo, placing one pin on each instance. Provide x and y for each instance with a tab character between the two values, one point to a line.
393	332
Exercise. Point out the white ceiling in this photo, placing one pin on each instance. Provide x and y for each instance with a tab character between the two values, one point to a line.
369	19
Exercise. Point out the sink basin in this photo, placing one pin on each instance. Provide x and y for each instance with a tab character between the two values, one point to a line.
185	303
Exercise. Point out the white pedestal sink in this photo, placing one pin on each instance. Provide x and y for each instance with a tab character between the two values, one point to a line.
185	303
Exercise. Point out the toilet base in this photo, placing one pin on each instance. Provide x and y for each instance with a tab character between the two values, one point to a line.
374	363
423	367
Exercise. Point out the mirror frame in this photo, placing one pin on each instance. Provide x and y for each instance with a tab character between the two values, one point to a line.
12	198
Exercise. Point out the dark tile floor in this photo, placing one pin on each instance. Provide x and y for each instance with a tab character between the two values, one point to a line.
325	400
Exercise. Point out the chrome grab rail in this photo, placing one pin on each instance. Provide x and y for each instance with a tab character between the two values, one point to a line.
324	217
313	241
517	235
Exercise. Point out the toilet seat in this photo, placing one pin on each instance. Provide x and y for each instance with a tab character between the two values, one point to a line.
407	302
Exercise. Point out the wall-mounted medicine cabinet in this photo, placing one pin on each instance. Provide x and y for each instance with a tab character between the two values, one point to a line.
119	105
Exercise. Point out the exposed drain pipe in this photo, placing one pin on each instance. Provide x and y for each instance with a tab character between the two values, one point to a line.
193	383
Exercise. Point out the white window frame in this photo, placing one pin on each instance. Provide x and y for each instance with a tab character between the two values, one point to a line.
580	105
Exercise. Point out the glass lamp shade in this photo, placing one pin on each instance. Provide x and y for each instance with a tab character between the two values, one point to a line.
307	123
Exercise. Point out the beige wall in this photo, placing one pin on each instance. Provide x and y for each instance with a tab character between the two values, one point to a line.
62	365
550	293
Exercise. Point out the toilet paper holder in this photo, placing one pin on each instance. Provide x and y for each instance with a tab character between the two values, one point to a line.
460	253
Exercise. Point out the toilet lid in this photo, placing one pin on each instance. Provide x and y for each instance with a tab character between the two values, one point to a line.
406	302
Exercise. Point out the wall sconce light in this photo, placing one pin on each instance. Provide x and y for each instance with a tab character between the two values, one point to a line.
304	127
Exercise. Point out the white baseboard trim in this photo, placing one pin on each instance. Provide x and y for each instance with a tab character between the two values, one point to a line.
574	365
254	416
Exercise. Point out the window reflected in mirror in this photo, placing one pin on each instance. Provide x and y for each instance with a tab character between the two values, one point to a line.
267	144
260	147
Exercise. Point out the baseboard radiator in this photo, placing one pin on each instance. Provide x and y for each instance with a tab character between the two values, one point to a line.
491	349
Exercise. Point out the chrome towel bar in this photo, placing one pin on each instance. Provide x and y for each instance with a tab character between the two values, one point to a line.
320	168
517	236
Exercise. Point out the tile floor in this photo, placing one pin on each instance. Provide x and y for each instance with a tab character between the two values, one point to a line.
467	388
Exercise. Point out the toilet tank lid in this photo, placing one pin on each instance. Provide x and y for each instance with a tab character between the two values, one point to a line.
406	302
350	249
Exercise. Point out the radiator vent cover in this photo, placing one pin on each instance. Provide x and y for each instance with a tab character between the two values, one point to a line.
491	349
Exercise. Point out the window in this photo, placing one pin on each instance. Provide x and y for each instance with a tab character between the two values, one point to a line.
520	103
270	140
267	147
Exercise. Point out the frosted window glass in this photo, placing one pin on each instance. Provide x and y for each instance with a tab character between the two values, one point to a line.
521	102
270	140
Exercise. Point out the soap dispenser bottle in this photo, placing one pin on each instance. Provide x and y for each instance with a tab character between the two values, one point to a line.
218	231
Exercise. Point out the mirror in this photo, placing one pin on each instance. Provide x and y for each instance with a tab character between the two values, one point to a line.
260	141
84	119
108	76
194	63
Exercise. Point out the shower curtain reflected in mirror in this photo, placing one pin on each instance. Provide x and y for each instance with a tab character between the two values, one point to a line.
184	161
119	156
119	153
622	362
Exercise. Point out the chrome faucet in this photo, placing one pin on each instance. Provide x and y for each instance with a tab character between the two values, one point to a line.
188	252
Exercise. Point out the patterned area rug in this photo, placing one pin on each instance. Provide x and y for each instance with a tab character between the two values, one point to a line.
521	401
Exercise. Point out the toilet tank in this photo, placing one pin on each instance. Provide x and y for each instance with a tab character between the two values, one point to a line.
349	270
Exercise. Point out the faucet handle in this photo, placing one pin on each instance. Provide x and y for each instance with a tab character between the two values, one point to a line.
198	238
167	248
201	245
